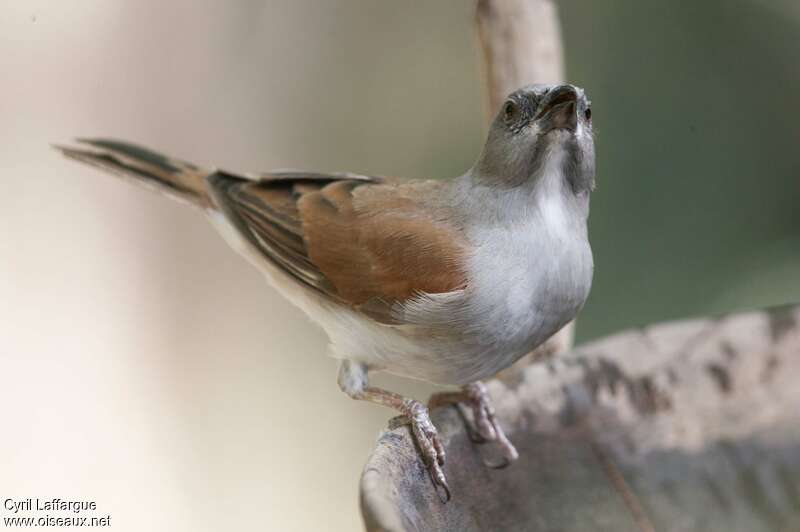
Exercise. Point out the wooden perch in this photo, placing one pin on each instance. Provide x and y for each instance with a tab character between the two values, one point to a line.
691	426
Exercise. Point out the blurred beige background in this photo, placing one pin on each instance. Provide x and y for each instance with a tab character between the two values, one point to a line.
147	367
144	365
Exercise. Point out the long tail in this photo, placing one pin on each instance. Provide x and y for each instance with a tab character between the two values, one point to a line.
175	178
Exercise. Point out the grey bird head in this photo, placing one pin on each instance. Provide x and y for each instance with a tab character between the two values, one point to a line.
535	124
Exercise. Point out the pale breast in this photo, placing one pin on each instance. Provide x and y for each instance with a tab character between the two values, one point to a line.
529	276
527	284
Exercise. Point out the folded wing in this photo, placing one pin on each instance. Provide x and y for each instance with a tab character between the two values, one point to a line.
359	241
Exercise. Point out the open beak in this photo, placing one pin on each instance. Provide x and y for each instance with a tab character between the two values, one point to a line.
559	110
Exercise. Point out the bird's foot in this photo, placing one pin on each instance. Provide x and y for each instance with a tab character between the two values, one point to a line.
486	427
430	445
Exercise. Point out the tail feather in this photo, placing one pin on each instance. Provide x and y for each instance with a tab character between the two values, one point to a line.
175	178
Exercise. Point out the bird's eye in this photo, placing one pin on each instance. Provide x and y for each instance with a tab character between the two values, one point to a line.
588	114
509	110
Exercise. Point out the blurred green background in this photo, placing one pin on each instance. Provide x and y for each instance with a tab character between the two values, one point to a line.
152	370
698	202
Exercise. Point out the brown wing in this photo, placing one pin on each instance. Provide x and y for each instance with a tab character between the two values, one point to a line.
358	241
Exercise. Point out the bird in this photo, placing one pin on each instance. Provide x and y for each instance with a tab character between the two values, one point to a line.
445	280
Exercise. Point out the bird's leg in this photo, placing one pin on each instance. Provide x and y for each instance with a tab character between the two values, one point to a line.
475	396
353	380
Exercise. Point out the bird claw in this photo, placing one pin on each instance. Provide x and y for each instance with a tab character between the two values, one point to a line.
486	423
441	488
430	445
485	427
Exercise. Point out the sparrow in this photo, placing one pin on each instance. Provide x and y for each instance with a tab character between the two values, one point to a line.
448	281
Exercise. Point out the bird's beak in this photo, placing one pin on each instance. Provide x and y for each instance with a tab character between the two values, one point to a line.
559	110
